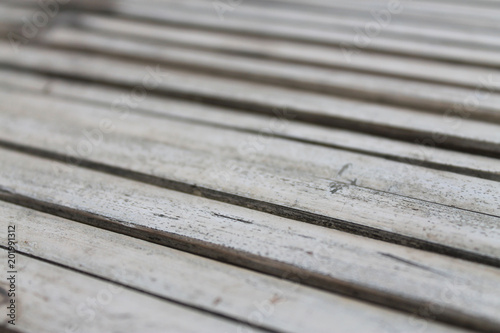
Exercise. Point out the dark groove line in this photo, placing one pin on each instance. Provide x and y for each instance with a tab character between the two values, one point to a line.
311	24
251	261
136	289
192	25
262	56
407	160
7	328
275	209
352	93
274	36
414	264
328	121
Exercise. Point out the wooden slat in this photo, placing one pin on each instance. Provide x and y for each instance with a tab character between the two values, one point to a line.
461	19
273	177
485	3
383	120
137	151
453	16
284	51
262	300
427	156
390	274
71	120
55	299
351	20
427	97
269	29
11	23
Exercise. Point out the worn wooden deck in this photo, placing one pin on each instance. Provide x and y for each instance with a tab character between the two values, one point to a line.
250	166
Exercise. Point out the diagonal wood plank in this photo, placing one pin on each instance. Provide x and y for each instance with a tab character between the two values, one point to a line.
426	97
393	275
285	51
261	300
346	168
382	120
54	299
258	27
436	158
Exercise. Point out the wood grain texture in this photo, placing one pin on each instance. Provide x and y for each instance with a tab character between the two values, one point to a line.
292	52
261	300
256	167
54	299
459	16
427	97
474	165
322	191
382	120
68	118
351	20
269	29
390	274
435	14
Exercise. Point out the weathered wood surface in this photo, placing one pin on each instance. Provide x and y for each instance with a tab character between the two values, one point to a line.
255	168
327	17
394	26
269	29
429	97
210	285
325	163
286	51
427	156
320	191
385	273
54	299
458	16
383	120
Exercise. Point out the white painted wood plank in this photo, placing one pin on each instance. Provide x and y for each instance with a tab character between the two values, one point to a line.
333	57
452	16
478	166
14	15
53	299
390	274
385	120
69	121
483	21
483	3
427	97
310	35
310	15
393	26
357	8
199	282
289	190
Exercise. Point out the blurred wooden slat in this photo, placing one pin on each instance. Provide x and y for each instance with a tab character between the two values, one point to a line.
428	97
387	121
473	165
